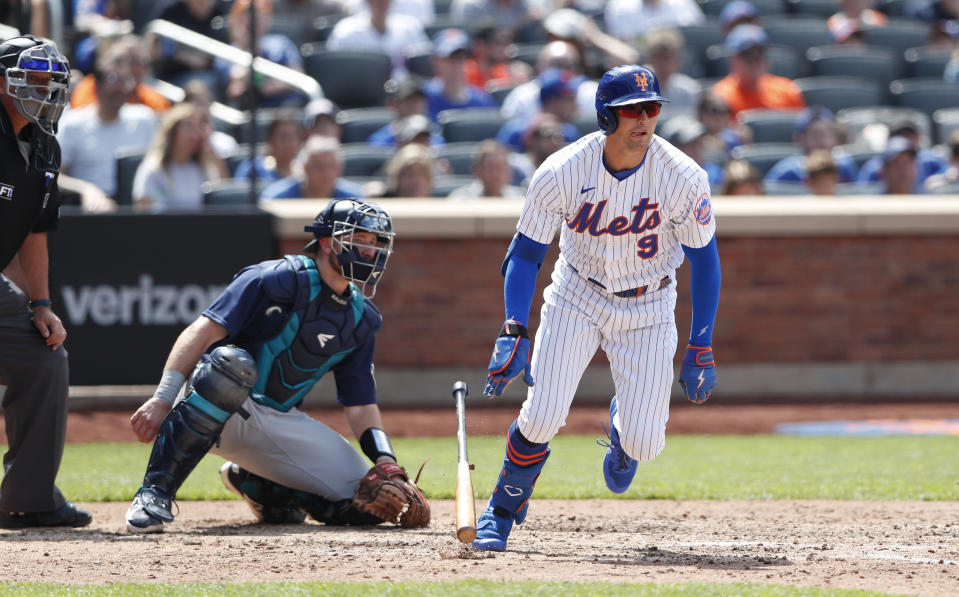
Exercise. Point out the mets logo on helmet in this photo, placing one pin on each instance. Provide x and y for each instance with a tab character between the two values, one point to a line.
641	81
704	209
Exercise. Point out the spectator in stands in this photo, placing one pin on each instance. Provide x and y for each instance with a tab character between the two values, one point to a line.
748	85
663	53
722	133
823	172
737	12
301	17
688	135
319	118
405	98
848	33
424	11
932	10
950	175
544	137
318	168
951	73
90	136
815	129
414	128
180	64
741	178
511	15
523	101
492	174
379	31
284	137
449	89
629	20
898	173
490	66
927	161
557	96
198	93
235	78
130	49
572	26
179	161
944	34
410	172
856	13
95	21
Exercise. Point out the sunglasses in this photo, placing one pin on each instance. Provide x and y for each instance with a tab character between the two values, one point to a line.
635	111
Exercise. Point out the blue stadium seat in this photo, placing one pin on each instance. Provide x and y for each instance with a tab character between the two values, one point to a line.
349	79
946	122
926	95
360	159
926	62
231	192
460	156
358	124
899	35
854	120
128	160
799	33
814	8
770	126
837	93
764	156
878	64
763	7
470	124
444	185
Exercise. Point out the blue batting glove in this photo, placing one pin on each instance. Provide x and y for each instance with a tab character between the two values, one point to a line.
698	374
510	358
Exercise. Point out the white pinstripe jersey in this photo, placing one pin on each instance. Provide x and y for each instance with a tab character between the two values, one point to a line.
622	234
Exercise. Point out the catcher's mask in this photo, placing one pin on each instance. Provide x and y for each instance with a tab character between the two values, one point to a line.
24	62
340	221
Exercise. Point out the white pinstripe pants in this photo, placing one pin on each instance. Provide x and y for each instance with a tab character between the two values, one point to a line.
638	336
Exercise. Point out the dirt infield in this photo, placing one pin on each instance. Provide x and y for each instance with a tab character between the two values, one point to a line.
900	547
897	547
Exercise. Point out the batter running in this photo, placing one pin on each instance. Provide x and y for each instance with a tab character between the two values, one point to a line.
630	206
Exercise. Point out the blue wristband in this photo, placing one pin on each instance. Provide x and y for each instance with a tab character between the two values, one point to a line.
40	303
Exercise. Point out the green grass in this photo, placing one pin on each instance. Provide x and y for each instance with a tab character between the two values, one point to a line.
471	588
712	467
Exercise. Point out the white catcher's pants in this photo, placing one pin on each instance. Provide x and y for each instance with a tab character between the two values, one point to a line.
638	336
293	449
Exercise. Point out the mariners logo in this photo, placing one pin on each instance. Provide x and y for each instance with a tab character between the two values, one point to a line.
641	81
704	209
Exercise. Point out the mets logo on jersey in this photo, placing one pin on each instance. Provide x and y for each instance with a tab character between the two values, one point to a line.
641	81
704	209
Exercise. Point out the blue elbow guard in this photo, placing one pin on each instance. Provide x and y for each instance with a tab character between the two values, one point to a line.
524	248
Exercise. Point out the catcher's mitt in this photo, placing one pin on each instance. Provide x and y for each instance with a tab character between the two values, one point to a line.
387	493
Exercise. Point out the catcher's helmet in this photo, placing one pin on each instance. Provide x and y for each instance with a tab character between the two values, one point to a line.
39	101
339	220
621	86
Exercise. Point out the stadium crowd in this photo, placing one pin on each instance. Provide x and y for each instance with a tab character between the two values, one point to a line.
465	98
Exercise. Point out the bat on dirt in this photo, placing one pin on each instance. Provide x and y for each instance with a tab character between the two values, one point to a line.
465	510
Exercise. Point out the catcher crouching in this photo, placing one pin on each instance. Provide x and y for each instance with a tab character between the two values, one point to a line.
256	352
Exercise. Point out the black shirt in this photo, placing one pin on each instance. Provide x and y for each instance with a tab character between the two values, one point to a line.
29	197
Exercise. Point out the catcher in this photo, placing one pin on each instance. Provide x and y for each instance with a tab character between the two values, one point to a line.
255	352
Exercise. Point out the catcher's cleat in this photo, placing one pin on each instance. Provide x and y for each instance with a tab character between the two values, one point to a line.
149	510
492	529
618	467
270	502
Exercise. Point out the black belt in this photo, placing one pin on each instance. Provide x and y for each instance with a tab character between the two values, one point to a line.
632	292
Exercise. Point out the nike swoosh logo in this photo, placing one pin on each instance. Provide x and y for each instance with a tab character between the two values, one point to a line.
586	190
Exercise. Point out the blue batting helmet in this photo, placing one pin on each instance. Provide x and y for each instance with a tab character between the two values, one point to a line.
621	86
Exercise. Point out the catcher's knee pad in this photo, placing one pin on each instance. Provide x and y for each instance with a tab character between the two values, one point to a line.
223	381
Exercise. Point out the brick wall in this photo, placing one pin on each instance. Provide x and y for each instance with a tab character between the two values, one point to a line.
786	299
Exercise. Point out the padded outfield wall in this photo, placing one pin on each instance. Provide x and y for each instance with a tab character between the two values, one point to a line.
822	298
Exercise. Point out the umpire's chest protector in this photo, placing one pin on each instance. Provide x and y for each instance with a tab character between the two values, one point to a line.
323	329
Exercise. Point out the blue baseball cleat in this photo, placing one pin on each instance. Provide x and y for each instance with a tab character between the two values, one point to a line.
492	531
618	467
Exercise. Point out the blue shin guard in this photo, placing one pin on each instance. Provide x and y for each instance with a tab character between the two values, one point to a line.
510	500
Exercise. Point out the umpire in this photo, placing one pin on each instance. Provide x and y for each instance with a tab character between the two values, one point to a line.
33	361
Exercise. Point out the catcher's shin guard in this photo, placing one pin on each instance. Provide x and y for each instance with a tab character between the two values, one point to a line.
219	387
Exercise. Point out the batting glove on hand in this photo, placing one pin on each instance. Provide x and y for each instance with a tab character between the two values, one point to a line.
510	357
698	374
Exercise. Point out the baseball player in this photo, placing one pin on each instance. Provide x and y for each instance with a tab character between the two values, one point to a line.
629	206
301	316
